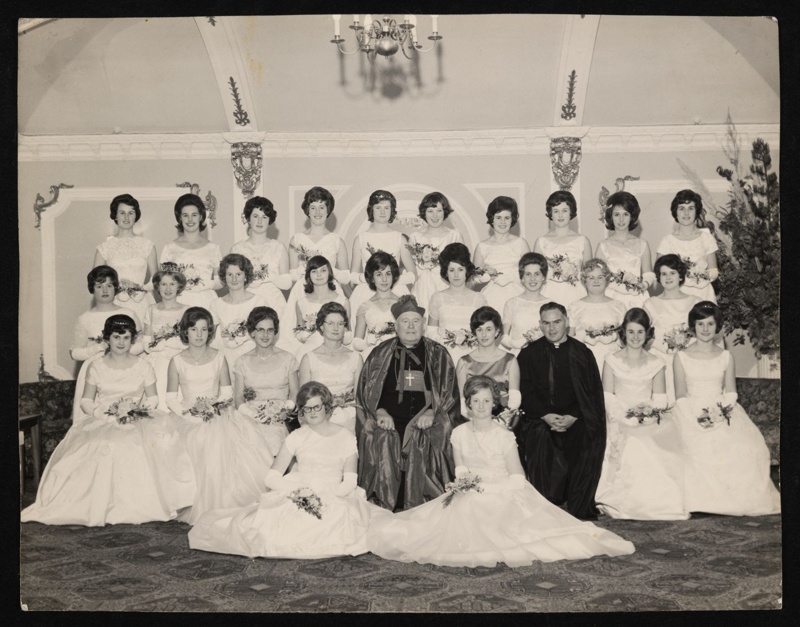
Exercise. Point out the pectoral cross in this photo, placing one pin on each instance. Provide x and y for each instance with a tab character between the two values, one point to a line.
408	377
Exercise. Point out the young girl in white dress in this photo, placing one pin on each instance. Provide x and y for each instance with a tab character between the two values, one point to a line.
642	476
627	256
192	254
228	453
426	245
497	257
314	512
133	257
269	257
727	462
110	467
265	379
334	365
502	519
451	309
693	242
595	318
521	313
374	319
565	250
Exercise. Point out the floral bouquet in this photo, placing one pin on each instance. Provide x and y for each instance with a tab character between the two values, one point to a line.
303	253
424	255
605	334
461	485
490	272
507	417
619	279
531	335
646	414
207	408
248	394
715	414
416	223
260	272
698	278
307	500
677	338
345	399
126	411
460	338
134	292
306	328
231	332
187	270
376	335
563	270
163	333
97	339
274	411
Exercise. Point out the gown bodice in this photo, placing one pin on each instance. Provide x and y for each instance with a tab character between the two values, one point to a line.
128	256
337	377
197	381
483	452
327	246
705	378
113	385
594	317
521	316
319	456
667	317
89	326
265	258
377	320
429	259
693	253
370	242
162	321
504	258
198	265
626	257
230	318
453	315
634	384
497	370
269	378
564	259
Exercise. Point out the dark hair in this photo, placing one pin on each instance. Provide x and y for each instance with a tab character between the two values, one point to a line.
259	314
180	279
316	194
431	200
331	307
190	200
458	253
264	204
533	258
638	316
502	203
99	274
481	382
317	261
485	314
378	261
119	323
125	199
626	201
377	196
673	262
685	196
240	261
311	389
190	318
593	264
552	305
705	309
556	198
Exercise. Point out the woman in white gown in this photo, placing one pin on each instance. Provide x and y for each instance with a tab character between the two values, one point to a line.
316	511
374	319
192	254
497	257
726	459
133	257
269	257
642	475
334	365
229	455
504	520
426	245
628	257
451	309
112	465
693	242
565	250
521	313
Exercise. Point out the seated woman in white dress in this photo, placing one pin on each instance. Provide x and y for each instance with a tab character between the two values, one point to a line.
133	257
490	513
595	318
316	511
426	245
265	379
451	309
693	242
334	365
108	468
521	313
374	319
229	455
642	475
627	256
726	459
269	257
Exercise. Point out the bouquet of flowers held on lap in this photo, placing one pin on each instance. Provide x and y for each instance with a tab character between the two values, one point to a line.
605	334
461	338
187	270
126	411
635	287
163	333
461	485
208	408
677	338
376	335
234	333
714	415
306	328
424	255
508	417
270	412
307	500
646	414
563	270
134	292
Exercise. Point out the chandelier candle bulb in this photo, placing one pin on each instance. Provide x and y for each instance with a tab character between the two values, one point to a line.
336	19
435	23
414	28
355	18
368	21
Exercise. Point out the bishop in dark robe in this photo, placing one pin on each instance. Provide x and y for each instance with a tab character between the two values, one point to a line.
562	434
407	404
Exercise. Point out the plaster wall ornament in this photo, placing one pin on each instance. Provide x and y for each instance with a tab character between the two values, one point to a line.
246	162
40	204
210	201
565	159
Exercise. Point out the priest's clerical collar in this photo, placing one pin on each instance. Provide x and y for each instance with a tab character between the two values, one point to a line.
557	344
409	348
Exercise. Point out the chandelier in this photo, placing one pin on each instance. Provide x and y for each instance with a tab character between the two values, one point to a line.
387	38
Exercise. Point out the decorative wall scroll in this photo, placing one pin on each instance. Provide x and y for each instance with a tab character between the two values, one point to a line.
246	162
568	110
40	205
210	201
565	159
239	114
604	193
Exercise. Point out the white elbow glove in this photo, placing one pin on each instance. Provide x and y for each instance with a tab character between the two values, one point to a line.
174	404
514	399
343	276
659	400
295	274
347	485
407	278
348	338
461	471
648	278
713	274
482	277
510	342
730	398
276	481
88	406
283	281
464	408
137	348
245	410
84	353
225	392
359	343
146	339
357	278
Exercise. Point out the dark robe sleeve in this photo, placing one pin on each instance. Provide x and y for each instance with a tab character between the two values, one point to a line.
588	385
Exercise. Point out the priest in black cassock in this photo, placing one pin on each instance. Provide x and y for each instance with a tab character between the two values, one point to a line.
562	434
407	404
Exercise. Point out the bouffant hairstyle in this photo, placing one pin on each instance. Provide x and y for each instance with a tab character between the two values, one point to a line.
684	196
626	201
99	275
556	198
190	200
380	260
124	199
241	262
458	253
331	307
311	389
119	323
431	200
673	262
264	204
485	314
551	306
590	265
174	274
705	309
639	316
502	203
481	382
377	196
190	318
259	314
316	194
318	261
530	259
